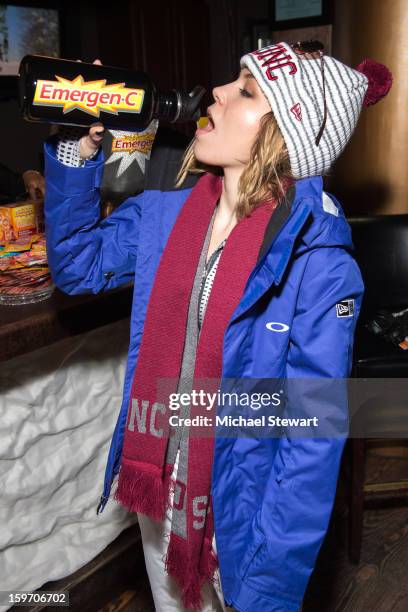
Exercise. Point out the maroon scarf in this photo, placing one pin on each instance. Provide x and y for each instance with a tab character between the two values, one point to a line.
144	479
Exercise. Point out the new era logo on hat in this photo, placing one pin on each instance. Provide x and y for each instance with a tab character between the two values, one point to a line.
297	111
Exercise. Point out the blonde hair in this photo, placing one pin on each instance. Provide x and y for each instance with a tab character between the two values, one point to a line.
264	176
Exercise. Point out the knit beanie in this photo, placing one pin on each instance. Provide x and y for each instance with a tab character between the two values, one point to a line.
298	87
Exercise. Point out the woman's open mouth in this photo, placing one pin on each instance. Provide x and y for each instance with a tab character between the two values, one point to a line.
205	125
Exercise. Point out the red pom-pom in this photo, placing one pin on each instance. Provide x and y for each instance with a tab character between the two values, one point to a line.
379	80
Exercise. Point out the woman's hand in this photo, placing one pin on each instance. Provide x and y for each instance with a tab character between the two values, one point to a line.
90	143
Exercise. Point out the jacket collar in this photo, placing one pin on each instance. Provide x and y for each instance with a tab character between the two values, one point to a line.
272	265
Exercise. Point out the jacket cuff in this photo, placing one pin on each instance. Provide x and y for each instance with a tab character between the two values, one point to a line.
67	179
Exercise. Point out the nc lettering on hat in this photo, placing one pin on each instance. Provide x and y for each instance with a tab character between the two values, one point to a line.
316	101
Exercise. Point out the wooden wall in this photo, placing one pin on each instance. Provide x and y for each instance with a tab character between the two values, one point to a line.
370	176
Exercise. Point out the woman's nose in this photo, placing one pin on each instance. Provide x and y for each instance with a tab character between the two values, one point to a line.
219	94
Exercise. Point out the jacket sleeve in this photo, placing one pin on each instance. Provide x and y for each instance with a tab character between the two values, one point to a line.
300	494
85	254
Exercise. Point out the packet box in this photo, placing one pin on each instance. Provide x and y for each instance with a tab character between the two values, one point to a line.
20	219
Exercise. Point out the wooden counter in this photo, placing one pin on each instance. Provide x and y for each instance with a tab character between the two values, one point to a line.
29	327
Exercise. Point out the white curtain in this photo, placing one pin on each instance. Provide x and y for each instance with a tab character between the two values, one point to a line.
58	408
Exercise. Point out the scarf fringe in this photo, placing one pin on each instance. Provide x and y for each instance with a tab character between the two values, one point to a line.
179	566
169	487
142	492
210	564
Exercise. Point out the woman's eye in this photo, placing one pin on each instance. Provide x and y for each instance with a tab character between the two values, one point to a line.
245	93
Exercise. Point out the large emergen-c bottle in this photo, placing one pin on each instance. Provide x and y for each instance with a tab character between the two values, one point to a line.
75	93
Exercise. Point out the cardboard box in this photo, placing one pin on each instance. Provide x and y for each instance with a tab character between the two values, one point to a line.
20	219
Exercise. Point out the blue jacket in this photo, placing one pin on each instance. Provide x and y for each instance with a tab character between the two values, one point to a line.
272	497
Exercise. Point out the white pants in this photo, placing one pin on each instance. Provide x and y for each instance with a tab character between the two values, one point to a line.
166	593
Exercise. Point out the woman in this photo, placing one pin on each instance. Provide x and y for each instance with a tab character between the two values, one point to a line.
248	274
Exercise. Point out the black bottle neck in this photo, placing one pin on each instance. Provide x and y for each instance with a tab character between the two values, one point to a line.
168	106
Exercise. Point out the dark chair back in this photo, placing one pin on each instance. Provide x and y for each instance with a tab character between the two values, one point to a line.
381	250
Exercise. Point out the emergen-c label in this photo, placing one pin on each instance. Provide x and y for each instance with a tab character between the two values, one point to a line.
134	142
91	97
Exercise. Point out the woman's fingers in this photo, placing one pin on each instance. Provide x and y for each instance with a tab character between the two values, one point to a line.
90	143
96	132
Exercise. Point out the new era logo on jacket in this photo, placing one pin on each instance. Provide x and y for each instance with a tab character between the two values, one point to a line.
345	308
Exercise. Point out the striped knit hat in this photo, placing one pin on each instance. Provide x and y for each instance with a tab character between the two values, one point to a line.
297	88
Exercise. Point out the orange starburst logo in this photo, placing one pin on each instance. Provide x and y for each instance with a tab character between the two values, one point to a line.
91	97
